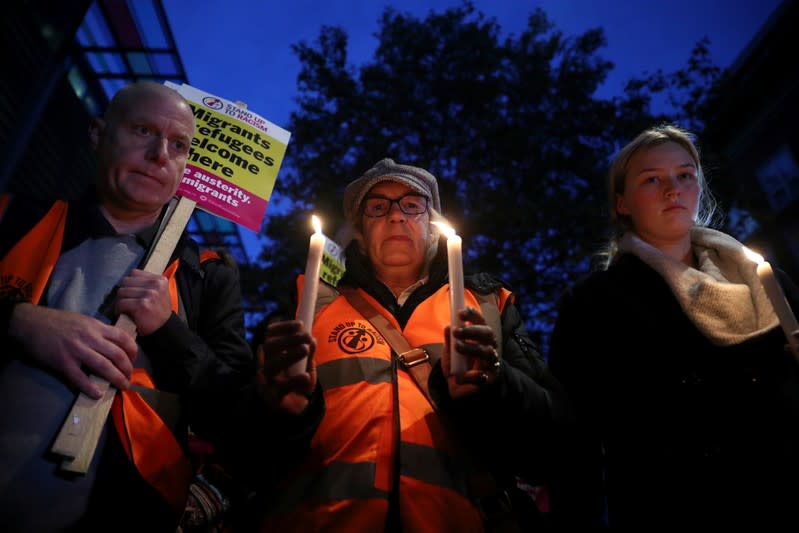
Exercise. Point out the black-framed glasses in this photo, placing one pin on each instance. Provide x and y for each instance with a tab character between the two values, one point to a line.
410	204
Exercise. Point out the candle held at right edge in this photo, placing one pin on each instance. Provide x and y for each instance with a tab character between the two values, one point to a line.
777	297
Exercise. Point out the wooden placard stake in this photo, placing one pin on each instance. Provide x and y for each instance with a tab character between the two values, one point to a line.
78	437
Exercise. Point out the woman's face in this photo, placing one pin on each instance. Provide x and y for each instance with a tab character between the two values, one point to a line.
395	240
661	193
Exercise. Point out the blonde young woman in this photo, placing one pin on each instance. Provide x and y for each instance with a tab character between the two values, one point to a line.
675	364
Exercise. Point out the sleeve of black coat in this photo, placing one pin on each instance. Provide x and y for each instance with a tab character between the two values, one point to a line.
207	365
508	424
217	374
262	445
576	488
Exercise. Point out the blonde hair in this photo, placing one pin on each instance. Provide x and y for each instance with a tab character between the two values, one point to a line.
657	135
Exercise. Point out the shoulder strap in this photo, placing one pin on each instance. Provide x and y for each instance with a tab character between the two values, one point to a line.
186	292
489	308
326	294
416	361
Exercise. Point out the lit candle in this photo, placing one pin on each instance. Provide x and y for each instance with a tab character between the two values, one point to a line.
777	297
457	364
310	287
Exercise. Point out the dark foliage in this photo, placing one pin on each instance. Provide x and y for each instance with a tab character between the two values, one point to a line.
510	126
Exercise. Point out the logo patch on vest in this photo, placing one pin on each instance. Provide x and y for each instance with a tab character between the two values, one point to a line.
354	337
15	288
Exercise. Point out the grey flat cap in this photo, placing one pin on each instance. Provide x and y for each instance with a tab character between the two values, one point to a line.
386	169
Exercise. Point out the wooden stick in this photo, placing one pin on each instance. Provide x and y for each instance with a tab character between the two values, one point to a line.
77	439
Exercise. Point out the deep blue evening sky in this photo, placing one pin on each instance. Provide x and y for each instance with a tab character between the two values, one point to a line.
240	50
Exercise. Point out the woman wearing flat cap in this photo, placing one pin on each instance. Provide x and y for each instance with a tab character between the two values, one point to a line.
404	444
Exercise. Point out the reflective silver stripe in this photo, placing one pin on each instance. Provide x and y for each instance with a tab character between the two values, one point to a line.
340	372
433	466
338	481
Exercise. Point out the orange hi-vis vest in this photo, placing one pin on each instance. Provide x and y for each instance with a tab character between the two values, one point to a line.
379	433
148	442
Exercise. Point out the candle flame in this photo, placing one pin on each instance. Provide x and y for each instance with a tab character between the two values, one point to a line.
317	224
752	256
445	228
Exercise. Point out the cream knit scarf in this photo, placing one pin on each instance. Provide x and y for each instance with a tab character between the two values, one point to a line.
723	296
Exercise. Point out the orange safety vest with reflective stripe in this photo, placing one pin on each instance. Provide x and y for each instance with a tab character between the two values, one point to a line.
147	441
377	421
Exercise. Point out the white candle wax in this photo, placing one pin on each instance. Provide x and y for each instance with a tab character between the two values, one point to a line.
779	302
457	363
310	288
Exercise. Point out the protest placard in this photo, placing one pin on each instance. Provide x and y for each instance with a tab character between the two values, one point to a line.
234	158
333	264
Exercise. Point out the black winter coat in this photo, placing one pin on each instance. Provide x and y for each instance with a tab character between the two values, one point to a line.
676	433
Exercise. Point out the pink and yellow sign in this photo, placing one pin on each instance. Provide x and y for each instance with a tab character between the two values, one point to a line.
234	159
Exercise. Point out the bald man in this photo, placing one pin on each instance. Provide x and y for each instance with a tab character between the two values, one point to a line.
56	330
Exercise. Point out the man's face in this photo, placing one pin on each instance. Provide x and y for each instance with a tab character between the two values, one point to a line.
142	149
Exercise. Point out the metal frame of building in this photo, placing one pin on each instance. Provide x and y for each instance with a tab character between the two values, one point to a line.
97	46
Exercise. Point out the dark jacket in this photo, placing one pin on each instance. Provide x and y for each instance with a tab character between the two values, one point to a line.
676	432
198	358
506	425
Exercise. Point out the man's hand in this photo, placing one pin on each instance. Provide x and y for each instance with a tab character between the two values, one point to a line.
477	343
144	297
284	344
72	345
